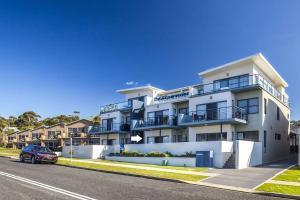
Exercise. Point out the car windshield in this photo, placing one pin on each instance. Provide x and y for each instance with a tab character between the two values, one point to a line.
42	149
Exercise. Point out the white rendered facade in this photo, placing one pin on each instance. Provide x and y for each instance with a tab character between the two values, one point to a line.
241	100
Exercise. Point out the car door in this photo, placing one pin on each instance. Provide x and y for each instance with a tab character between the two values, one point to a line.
25	153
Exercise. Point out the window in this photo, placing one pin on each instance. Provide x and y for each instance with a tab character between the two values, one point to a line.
265	105
183	111
250	105
233	82
158	139
265	139
150	140
277	136
158	117
278	113
212	111
248	136
211	137
201	90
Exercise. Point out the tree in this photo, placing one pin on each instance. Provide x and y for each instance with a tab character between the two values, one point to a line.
59	119
28	120
96	120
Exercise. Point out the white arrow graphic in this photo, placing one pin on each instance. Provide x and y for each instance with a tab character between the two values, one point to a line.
136	138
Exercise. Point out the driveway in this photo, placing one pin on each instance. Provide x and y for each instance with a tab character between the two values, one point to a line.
251	177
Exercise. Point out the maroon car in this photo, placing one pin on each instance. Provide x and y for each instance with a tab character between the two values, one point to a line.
37	154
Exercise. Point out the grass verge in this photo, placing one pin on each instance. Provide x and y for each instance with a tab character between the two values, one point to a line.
9	152
291	175
140	172
192	169
282	189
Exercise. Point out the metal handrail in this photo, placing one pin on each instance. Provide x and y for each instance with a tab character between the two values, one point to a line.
109	128
157	121
115	106
222	113
253	80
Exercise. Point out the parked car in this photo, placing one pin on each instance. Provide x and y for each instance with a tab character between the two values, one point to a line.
37	154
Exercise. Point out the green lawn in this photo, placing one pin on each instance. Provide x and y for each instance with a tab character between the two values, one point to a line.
193	169
283	189
292	175
9	152
150	173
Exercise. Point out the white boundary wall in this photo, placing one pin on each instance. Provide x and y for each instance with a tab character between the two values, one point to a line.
221	149
172	161
89	151
248	154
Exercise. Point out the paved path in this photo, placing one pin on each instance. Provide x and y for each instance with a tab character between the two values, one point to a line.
284	183
248	178
143	167
98	185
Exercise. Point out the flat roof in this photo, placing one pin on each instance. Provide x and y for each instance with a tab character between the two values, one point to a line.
259	60
147	87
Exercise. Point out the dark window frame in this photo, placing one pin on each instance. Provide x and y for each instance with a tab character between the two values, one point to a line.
247	108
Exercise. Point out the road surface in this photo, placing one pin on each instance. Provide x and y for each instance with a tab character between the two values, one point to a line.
43	181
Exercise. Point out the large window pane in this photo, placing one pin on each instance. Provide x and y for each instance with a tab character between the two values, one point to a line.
244	81
234	82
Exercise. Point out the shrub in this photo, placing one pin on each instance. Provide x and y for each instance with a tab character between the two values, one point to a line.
132	154
158	154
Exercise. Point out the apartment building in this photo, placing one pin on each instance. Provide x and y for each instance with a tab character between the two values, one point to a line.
244	100
54	136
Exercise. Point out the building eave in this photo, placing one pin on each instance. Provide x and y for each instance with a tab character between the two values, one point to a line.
258	59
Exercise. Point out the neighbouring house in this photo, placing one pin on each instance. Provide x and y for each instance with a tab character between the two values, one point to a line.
23	137
77	130
239	112
11	140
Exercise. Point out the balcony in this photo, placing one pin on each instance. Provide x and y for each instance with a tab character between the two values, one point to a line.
122	106
112	128
225	115
36	138
240	83
159	122
52	137
76	134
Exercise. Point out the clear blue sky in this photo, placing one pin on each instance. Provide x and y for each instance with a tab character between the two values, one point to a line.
61	56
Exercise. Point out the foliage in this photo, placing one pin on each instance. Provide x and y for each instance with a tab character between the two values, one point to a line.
31	120
151	154
59	119
132	154
96	120
157	154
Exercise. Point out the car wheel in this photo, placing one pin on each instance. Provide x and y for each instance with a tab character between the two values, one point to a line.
54	162
33	161
21	158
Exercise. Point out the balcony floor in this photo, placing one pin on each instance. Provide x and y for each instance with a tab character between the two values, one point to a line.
149	128
214	122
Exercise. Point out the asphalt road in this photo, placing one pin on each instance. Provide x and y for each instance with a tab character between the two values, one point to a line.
43	181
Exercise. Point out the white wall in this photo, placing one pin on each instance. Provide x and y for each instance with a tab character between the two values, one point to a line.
89	151
172	161
248	154
235	70
221	149
116	115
